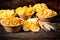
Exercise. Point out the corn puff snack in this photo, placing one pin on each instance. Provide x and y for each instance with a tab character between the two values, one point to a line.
40	7
31	24
11	21
48	13
7	13
25	11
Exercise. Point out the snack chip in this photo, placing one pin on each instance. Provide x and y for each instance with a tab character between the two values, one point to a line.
47	13
11	21
7	13
40	7
31	24
27	11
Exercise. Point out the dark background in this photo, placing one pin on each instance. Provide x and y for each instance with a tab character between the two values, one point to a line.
54	4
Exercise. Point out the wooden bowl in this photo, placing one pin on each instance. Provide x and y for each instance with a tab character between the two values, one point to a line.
12	29
45	19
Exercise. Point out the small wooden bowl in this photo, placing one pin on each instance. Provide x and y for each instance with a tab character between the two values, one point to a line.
12	29
45	19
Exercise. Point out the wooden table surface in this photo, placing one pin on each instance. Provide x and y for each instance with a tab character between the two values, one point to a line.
41	35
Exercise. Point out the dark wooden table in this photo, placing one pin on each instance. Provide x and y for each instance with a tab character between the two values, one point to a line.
41	35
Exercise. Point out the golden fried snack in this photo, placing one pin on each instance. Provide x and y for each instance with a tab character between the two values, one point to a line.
7	13
25	11
40	7
47	13
20	11
31	24
11	21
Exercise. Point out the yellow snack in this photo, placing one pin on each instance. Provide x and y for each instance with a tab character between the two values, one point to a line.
7	13
31	24
20	11
25	11
50	13
11	21
29	10
26	26
34	28
47	13
34	24
40	7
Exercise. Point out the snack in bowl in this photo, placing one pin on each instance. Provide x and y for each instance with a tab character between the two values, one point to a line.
43	12
40	7
25	12
31	24
12	24
46	15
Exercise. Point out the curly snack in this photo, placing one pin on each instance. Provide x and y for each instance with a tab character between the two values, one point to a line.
40	7
7	13
47	13
25	11
11	22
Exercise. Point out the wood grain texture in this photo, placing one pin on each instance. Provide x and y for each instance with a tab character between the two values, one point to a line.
41	35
